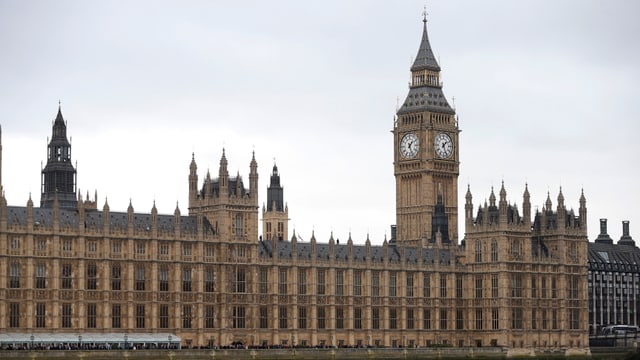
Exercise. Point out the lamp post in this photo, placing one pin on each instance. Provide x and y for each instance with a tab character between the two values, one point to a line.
32	338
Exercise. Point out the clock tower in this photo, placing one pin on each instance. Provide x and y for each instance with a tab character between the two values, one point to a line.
426	162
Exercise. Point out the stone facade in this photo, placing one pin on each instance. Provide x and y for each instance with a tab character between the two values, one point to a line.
515	281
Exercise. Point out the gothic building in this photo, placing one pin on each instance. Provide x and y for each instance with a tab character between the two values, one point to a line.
517	280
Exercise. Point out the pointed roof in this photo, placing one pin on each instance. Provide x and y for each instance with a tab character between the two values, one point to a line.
425	58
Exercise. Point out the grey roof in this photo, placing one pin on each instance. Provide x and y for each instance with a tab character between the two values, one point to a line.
426	98
95	219
425	58
341	251
613	257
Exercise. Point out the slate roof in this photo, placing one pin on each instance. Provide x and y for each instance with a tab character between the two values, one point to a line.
613	257
425	58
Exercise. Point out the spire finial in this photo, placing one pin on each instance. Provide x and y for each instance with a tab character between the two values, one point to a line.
424	14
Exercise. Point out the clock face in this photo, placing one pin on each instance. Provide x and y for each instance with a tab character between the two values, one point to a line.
409	146
443	146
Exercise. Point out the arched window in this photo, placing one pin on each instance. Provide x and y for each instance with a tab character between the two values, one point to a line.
494	250
478	251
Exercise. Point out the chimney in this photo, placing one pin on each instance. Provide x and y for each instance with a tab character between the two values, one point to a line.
603	238
626	239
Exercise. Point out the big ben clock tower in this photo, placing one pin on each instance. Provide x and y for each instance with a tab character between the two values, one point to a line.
426	163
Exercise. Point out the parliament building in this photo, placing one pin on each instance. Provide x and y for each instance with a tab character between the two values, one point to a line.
516	279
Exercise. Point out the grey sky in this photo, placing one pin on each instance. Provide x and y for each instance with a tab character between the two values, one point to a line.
546	92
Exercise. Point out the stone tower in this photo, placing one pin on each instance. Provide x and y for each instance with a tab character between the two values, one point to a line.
59	176
275	216
426	163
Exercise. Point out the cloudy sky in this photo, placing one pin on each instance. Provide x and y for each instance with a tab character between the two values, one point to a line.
546	92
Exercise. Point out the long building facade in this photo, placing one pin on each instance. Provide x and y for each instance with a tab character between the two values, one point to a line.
516	280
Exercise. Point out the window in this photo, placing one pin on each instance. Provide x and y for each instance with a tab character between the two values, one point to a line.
392	284
443	319
15	243
66	315
478	319
41	245
574	319
116	316
302	317
573	287
494	286
357	318
91	315
116	246
282	317
426	319
543	287
208	250
320	282
186	280
186	316
478	251
409	288
238	225
554	289
534	287
321	317
92	276
495	319
410	319
238	317
459	286
92	247
357	283
140	313
375	318
459	319
544	319
339	282
478	286
67	245
14	276
302	281
393	318
140	248
163	249
139	278
263	285
443	285
375	283
534	320
238	281
516	285
282	281
426	285
14	315
209	279
116	277
554	319
264	317
494	251
163	316
163	278
186	249
41	312
516	318
339	318
66	276
41	276
209	318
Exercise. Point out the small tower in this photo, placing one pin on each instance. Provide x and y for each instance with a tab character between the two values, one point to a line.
275	216
59	175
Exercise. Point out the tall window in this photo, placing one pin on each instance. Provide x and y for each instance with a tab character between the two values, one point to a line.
543	287
320	282
238	225
554	288
238	283
357	283
375	283
409	288
495	319
357	318
302	317
375	318
479	319
41	313
116	247
41	276
163	316
443	285
209	318
66	276
238	317
516	318
282	281
91	315
186	316
426	285
478	251
116	316
14	275
321	317
186	280
14	315
140	278
573	287
459	286
92	276
574	319
392	284
302	281
186	249
410	319
516	285
494	251
339	317
140	248
494	286
426	319
534	287
208	250
209	279
443	319
140	314
163	278
544	319
478	286
282	317
66	315
339	282
534	320
163	249
554	319
263	285
393	318
116	277
459	319
264	317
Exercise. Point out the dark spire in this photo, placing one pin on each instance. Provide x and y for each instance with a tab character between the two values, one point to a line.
425	58
275	192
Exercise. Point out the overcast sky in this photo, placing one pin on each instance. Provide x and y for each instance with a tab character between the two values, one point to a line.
546	92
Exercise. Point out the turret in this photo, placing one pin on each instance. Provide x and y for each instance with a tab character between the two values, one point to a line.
562	212
526	207
502	205
106	216
583	212
468	210
223	176
193	181
253	178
